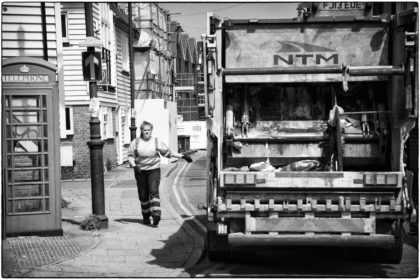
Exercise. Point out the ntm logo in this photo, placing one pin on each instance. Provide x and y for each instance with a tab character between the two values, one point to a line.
296	53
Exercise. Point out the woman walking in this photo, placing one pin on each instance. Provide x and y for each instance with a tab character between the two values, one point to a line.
144	156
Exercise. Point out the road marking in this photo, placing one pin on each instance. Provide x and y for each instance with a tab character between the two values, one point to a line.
178	199
186	199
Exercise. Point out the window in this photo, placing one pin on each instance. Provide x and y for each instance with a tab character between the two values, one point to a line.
106	67
69	121
28	174
105	30
107	123
125	59
106	18
64	27
105	36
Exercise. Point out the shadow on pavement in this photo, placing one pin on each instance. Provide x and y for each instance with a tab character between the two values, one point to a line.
133	221
129	220
305	262
71	221
180	250
292	262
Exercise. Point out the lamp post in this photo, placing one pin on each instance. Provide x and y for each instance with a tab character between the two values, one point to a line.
95	144
133	127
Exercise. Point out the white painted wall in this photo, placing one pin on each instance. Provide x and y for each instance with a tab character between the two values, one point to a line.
163	118
74	85
21	30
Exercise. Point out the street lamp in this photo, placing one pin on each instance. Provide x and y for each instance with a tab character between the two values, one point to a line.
95	144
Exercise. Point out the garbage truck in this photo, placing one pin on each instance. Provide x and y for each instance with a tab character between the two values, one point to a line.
307	120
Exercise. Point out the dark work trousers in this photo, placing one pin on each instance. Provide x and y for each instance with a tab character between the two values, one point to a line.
148	187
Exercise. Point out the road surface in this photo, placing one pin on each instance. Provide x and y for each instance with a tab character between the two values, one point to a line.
190	191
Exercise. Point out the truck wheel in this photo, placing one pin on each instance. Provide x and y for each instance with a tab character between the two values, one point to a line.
392	255
217	247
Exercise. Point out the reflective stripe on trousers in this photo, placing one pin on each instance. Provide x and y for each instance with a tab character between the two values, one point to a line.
148	188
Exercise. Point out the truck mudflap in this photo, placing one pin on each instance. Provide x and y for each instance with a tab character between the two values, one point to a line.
378	240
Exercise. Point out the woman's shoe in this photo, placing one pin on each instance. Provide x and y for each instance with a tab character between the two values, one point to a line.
156	220
146	221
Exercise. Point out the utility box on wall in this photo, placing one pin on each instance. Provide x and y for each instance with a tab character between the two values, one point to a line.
31	148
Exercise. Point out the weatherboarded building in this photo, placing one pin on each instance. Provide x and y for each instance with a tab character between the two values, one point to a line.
32	109
111	29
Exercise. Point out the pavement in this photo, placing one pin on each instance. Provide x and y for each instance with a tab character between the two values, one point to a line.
126	249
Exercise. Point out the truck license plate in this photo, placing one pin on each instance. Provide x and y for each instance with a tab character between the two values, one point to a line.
342	6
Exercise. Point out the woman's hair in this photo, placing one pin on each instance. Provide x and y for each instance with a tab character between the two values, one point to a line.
143	124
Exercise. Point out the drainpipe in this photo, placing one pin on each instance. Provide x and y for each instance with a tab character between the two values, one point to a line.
44	32
133	127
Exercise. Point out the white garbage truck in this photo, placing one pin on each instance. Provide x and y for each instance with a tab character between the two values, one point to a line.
307	119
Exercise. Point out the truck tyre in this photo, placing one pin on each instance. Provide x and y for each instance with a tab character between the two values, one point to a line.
217	247
392	255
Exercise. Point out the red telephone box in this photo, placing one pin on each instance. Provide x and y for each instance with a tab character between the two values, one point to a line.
31	148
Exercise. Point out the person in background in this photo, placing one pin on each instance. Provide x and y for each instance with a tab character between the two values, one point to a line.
144	156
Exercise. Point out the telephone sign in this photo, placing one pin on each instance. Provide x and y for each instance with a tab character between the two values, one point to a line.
91	64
